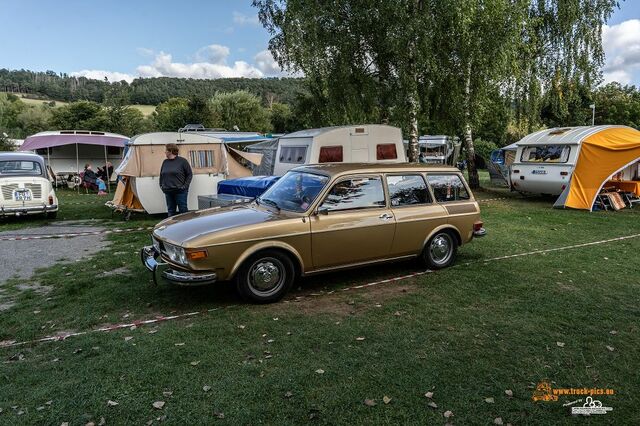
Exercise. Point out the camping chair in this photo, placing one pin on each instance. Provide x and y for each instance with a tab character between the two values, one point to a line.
631	198
611	200
87	185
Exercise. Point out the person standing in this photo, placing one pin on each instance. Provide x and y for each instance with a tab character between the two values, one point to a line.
175	177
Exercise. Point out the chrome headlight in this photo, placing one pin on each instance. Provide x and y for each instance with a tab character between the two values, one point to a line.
175	253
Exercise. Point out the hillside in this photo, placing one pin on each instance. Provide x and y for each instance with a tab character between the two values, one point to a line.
142	91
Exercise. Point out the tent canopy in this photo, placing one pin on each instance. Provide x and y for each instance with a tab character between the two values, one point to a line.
70	137
603	153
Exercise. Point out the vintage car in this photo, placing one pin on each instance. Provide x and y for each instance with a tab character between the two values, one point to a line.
25	186
319	218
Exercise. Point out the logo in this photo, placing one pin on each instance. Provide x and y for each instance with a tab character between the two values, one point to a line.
543	392
591	406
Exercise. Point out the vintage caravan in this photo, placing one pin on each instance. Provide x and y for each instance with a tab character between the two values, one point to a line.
575	162
367	143
210	158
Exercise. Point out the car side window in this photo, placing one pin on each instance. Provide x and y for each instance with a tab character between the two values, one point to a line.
448	187
355	193
407	190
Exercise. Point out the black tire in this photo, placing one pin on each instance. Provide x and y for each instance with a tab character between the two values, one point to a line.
52	215
265	277
441	250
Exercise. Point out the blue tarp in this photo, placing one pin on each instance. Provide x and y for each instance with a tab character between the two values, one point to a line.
251	186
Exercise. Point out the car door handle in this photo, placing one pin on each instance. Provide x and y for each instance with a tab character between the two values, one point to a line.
386	216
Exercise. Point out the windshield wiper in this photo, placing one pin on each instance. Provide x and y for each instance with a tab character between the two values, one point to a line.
270	202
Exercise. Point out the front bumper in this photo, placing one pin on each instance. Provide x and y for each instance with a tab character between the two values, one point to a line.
150	259
44	208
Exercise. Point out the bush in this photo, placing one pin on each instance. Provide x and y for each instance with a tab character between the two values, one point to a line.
483	148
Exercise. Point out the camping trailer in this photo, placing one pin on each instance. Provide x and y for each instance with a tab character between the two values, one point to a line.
367	143
67	151
210	158
575	162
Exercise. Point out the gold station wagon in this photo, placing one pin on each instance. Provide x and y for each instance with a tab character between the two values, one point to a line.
320	218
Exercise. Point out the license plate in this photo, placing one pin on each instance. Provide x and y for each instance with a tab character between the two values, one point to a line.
539	172
22	196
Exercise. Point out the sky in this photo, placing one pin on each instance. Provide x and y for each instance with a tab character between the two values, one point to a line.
123	40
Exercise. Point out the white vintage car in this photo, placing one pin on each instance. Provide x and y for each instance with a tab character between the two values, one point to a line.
24	186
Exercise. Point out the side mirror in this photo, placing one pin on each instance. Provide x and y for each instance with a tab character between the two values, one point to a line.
323	211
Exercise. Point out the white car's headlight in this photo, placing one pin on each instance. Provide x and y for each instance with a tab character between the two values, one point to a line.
176	253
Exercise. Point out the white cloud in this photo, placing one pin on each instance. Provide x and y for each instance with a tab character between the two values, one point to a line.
621	45
214	54
242	19
209	62
265	63
100	75
163	66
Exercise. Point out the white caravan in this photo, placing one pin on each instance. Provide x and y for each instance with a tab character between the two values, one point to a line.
545	160
366	143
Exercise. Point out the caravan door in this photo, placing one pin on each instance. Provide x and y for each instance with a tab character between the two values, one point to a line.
360	146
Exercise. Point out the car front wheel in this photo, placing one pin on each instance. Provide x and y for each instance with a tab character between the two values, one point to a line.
440	251
265	277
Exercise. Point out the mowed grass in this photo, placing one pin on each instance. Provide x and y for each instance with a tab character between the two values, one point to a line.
146	110
466	334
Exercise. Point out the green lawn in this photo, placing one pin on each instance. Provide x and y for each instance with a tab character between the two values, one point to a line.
466	334
146	110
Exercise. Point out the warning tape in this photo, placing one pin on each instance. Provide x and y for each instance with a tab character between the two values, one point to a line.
75	234
158	319
482	200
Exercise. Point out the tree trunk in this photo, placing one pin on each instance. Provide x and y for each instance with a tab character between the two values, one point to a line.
474	180
412	100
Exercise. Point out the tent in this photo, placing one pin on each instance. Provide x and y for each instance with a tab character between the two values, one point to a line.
268	149
67	151
607	152
498	164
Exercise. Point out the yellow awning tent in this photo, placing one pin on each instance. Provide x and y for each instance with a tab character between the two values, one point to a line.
602	155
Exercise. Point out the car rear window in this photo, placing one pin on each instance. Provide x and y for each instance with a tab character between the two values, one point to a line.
448	187
20	168
407	190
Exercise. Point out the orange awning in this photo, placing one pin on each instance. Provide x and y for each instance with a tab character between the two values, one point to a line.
602	155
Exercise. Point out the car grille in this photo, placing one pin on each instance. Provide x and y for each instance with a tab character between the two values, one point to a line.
36	189
7	190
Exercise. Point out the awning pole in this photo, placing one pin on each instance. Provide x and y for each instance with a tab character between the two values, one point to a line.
55	181
77	167
106	169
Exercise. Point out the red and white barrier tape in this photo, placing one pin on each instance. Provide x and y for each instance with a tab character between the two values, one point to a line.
482	200
12	343
75	234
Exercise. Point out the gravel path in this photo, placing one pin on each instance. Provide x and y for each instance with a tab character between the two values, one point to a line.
22	258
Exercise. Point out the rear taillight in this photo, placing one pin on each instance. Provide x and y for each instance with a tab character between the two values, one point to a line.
50	200
563	187
564	173
477	226
516	171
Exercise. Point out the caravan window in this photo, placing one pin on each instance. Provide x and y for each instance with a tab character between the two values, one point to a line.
202	159
545	154
386	151
330	154
293	154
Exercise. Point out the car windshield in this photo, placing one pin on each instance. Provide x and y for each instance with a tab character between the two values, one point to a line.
295	191
20	168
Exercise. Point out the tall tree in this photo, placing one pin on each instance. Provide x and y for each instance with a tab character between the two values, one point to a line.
240	110
363	60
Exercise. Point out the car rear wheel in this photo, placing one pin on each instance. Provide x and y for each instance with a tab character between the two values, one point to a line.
265	277
440	251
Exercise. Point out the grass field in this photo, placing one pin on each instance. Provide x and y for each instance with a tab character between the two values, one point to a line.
467	334
146	110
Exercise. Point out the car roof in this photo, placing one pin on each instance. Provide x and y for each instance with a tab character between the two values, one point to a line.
20	156
335	169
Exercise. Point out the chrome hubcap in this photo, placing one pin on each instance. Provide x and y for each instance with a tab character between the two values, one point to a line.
266	274
441	248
